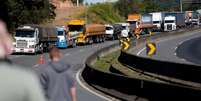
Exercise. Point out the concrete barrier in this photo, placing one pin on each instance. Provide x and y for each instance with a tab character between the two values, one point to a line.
114	83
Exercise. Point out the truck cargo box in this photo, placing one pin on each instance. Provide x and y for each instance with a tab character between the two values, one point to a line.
95	29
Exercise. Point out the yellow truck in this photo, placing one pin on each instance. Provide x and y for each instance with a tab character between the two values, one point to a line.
87	33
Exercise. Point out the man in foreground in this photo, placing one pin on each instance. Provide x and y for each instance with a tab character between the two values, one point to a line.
56	79
16	83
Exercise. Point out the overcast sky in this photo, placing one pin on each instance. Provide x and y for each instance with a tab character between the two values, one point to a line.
95	1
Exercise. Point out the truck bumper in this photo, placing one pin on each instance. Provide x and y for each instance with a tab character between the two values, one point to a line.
62	45
24	50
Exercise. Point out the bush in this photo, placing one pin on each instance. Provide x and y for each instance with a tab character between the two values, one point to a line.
102	13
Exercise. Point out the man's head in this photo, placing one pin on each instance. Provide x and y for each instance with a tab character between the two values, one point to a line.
54	53
6	45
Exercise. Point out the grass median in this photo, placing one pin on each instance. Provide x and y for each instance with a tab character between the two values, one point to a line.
104	64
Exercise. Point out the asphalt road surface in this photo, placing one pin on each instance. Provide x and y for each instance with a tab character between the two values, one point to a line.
74	56
190	50
167	48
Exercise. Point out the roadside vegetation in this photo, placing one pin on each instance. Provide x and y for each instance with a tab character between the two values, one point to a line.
102	13
17	12
104	63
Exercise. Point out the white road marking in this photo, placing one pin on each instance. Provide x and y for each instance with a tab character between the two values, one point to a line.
81	50
91	91
67	54
141	51
183	59
175	48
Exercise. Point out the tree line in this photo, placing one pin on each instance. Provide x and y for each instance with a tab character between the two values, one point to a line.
17	12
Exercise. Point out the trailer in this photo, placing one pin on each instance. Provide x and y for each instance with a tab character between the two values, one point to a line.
180	18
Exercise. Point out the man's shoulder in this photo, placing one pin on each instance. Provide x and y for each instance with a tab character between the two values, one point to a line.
15	72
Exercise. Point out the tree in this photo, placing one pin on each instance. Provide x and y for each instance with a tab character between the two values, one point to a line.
17	12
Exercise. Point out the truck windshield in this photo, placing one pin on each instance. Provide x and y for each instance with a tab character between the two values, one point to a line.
132	22
78	28
169	21
156	22
108	28
24	33
124	27
60	33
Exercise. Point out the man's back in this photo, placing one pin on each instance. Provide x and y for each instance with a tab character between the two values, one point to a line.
18	85
56	81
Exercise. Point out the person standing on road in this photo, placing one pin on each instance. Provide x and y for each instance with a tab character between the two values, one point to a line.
138	30
56	79
16	83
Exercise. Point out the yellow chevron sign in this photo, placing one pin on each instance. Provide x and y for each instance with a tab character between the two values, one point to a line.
151	49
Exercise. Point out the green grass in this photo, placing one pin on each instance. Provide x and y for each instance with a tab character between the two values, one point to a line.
105	62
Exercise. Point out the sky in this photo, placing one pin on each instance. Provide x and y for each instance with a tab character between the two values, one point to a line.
95	1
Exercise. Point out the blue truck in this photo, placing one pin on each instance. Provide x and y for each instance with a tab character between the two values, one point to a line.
61	38
64	39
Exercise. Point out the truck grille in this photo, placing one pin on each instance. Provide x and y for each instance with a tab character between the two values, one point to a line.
169	27
21	44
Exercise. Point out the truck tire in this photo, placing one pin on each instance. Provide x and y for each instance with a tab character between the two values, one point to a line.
74	44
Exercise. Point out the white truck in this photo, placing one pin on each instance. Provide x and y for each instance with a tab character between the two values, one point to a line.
157	18
33	39
109	31
169	23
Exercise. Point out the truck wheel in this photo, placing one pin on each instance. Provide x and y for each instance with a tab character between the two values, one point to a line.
74	44
91	41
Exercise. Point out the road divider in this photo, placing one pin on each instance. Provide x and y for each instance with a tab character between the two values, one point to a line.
115	84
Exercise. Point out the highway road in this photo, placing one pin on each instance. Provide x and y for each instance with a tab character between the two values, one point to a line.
74	56
167	48
190	50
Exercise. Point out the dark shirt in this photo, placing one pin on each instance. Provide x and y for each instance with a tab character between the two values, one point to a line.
56	80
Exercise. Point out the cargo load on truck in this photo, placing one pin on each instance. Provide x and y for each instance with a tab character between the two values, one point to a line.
95	29
92	33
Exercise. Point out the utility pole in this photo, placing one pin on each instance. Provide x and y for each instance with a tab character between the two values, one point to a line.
181	5
77	3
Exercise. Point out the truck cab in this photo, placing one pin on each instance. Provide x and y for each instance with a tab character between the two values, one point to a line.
26	40
61	38
76	31
157	18
169	23
109	31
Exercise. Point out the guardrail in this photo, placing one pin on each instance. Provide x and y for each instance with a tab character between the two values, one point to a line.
176	70
114	83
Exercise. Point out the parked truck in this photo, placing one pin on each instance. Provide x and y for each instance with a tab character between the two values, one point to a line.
109	32
61	38
132	20
174	20
192	18
158	20
75	27
170	23
33	38
146	24
90	33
